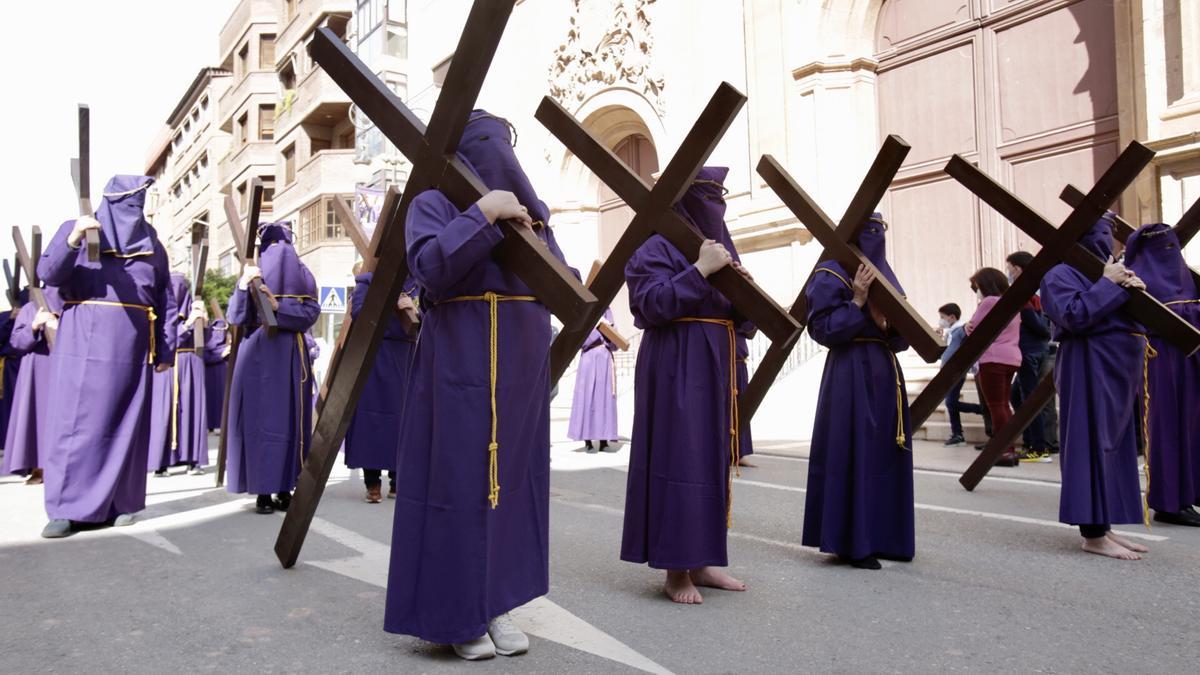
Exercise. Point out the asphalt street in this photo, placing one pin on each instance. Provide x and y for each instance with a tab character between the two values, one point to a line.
997	585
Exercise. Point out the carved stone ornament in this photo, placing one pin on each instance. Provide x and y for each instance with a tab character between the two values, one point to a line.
608	43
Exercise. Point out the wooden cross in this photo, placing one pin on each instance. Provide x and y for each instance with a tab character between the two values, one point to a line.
13	282
870	192
654	214
1119	176
199	263
605	328
244	247
432	151
1043	393
81	173
24	260
367	245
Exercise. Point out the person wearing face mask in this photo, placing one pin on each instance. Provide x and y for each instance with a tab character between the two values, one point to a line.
470	538
999	362
1101	359
859	504
953	332
1035	341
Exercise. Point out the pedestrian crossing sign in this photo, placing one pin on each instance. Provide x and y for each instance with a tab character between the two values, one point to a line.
333	299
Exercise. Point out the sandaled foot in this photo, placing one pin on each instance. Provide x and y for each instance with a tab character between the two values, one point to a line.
679	588
713	577
35	478
1109	548
1125	543
746	463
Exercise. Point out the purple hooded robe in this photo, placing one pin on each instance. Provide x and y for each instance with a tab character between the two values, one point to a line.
1154	253
594	408
860	472
110	336
457	562
372	442
29	412
1101	357
10	364
678	496
270	411
162	388
190	443
215	365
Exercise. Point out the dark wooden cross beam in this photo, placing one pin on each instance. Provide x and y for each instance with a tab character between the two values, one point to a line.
367	245
435	165
12	287
24	260
654	214
1119	176
244	247
81	172
870	192
199	263
1004	438
882	294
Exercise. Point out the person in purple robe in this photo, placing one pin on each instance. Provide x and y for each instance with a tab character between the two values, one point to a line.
270	410
746	442
684	449
22	453
190	411
470	536
111	337
372	441
594	408
10	362
859	504
216	357
1154	254
1102	355
163	392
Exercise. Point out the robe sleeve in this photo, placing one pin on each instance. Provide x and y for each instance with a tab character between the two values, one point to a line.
833	319
658	290
24	339
240	311
58	259
170	321
1074	305
443	244
358	297
164	307
297	314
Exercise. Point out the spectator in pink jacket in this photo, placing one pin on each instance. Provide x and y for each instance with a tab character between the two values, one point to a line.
1002	358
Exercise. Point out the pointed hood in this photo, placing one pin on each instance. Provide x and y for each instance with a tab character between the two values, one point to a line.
124	231
1154	254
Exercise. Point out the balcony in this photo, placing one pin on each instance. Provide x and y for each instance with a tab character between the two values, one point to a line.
261	82
255	154
246	13
313	101
327	172
307	15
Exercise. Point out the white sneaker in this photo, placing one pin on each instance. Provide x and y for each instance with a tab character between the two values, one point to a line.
196	471
124	520
509	639
478	649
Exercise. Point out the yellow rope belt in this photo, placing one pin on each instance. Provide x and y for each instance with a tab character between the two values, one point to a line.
1150	353
300	393
3	360
900	439
1180	302
175	395
493	300
735	448
150	315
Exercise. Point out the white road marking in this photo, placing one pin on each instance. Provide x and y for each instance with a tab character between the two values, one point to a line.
541	617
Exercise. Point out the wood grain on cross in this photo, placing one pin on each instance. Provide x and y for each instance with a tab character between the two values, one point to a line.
870	192
432	151
605	328
81	172
1152	315
1119	176
12	291
244	238
199	263
28	263
882	294
652	206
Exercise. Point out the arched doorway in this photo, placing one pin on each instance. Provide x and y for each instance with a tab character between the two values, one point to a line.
1026	89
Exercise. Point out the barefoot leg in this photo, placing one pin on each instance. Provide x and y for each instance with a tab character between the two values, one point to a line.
713	577
1109	548
679	588
1122	541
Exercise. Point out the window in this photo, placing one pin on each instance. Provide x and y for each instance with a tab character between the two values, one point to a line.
289	164
397	43
226	263
316	145
204	103
241	197
266	122
346	140
268	193
289	9
243	124
176	140
243	61
266	52
287	77
319	223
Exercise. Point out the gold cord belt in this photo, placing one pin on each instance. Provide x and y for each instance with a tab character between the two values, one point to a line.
150	315
1150	353
900	437
175	395
3	361
493	300
735	447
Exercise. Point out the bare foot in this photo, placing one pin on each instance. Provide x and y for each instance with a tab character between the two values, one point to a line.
746	463
679	588
1106	547
1136	548
715	578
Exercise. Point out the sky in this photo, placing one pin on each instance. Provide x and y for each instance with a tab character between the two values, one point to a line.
129	60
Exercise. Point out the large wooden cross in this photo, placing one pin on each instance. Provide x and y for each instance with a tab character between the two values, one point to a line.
870	192
244	238
367	245
81	173
1043	393
14	282
1119	176
199	264
654	214
28	263
432	151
